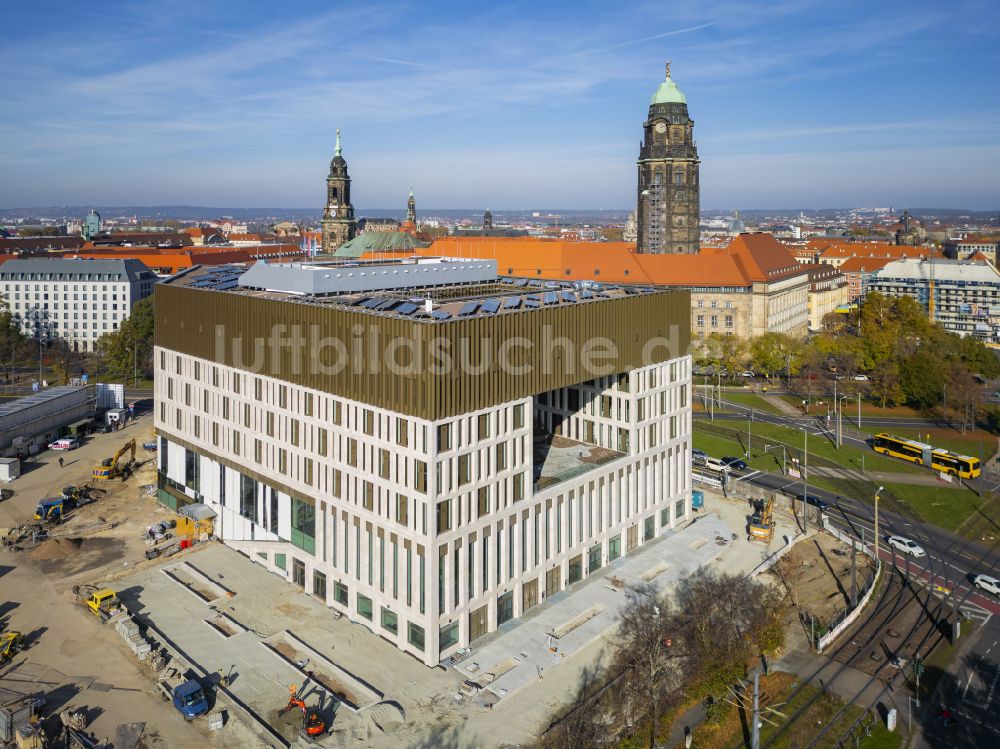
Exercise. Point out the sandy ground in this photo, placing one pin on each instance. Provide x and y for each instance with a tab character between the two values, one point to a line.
73	658
83	663
817	574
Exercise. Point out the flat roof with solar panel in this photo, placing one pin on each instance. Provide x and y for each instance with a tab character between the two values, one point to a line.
462	295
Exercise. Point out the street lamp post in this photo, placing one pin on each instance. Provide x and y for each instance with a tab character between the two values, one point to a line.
840	421
749	422
784	456
805	480
876	522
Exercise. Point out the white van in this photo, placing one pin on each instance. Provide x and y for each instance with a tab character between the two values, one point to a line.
714	464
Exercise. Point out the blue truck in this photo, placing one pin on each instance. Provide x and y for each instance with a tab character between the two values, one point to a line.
189	697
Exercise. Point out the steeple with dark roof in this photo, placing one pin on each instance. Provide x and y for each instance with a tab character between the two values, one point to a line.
338	222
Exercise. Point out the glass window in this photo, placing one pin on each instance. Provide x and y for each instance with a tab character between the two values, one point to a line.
448	636
340	593
319	585
248	498
365	606
390	622
303	532
280	561
298	572
415	636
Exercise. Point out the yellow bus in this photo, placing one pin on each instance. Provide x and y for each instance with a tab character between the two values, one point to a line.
923	454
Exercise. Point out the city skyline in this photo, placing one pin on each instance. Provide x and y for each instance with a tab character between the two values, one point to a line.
513	107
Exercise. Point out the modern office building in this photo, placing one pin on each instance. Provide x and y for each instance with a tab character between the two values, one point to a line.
962	295
75	299
429	448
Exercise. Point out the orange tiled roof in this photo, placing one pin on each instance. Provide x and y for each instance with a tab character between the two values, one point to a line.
749	258
866	264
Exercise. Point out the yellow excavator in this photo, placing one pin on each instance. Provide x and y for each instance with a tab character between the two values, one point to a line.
761	526
114	467
10	644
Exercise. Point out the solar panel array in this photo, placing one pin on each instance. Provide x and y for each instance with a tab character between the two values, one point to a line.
547	292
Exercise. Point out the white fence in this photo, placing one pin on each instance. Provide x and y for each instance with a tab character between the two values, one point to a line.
849	619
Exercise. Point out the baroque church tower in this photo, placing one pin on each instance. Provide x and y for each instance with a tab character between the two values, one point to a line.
668	204
338	224
411	209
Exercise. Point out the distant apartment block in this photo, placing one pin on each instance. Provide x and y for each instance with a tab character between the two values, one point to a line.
77	300
963	296
828	290
430	505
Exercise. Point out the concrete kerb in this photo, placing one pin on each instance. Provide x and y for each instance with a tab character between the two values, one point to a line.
371	695
235	701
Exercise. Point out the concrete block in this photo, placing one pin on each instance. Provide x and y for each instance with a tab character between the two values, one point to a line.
215	721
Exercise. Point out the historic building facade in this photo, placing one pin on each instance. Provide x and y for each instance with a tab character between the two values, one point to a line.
667	206
338	224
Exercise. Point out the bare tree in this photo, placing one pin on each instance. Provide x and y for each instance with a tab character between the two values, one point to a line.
646	634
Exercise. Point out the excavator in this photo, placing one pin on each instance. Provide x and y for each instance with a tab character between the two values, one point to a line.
761	526
114	467
313	726
10	644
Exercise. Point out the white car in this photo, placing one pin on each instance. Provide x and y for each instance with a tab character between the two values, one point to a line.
861	378
987	583
906	546
747	373
65	443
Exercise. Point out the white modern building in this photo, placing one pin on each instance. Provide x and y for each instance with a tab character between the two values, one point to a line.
427	447
75	299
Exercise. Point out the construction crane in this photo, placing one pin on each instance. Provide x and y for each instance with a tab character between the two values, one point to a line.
761	525
114	467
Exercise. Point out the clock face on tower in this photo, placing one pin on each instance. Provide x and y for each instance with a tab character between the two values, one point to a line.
660	127
333	211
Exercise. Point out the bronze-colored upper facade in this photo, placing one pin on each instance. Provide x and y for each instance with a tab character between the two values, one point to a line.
427	368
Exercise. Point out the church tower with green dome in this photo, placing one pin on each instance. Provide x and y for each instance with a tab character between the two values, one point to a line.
338	224
668	203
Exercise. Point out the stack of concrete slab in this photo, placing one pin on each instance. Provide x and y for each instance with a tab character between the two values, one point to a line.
129	631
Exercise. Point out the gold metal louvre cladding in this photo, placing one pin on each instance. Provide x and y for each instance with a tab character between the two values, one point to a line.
187	321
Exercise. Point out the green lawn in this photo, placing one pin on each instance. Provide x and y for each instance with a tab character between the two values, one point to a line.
943	506
882	738
847	456
719	447
750	400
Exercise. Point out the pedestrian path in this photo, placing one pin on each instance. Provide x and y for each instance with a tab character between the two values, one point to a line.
782	405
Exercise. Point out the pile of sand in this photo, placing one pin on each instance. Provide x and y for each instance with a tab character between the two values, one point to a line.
56	548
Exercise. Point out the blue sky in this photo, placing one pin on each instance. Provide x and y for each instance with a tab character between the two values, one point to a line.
502	105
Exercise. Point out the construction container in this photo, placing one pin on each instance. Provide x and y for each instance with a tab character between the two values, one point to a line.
10	469
16	710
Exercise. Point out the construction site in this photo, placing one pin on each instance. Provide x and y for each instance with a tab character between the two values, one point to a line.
128	625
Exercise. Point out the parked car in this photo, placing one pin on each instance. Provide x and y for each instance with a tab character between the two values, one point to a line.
747	373
714	464
860	378
736	463
987	584
65	443
698	457
812	499
906	546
